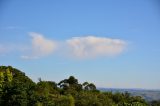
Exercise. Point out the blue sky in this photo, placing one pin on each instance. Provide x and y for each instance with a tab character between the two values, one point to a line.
112	43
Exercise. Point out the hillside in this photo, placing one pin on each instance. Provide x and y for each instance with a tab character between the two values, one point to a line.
17	89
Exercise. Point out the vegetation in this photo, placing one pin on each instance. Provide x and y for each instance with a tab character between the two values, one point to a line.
16	89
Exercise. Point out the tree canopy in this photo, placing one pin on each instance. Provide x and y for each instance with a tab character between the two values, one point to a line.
17	89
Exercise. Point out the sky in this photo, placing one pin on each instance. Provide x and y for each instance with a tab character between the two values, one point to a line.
111	43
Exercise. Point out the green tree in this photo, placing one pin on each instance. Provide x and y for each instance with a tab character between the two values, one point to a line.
16	87
70	86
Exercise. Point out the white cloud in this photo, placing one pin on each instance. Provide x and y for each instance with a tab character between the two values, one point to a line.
91	46
77	47
40	46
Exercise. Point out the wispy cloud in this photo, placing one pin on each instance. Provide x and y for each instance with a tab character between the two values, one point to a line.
12	28
91	46
40	46
12	47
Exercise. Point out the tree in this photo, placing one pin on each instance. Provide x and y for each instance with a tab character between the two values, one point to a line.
70	85
89	86
17	89
68	82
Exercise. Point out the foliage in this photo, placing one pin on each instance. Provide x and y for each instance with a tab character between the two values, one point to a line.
16	89
155	103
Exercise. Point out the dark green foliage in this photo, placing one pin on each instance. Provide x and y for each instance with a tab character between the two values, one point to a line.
70	83
88	86
16	89
155	103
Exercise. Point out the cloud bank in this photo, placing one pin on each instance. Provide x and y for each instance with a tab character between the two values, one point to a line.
76	47
91	46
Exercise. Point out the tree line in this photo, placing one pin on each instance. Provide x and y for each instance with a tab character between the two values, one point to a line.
17	89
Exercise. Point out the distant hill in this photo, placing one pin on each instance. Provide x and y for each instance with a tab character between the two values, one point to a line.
148	95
